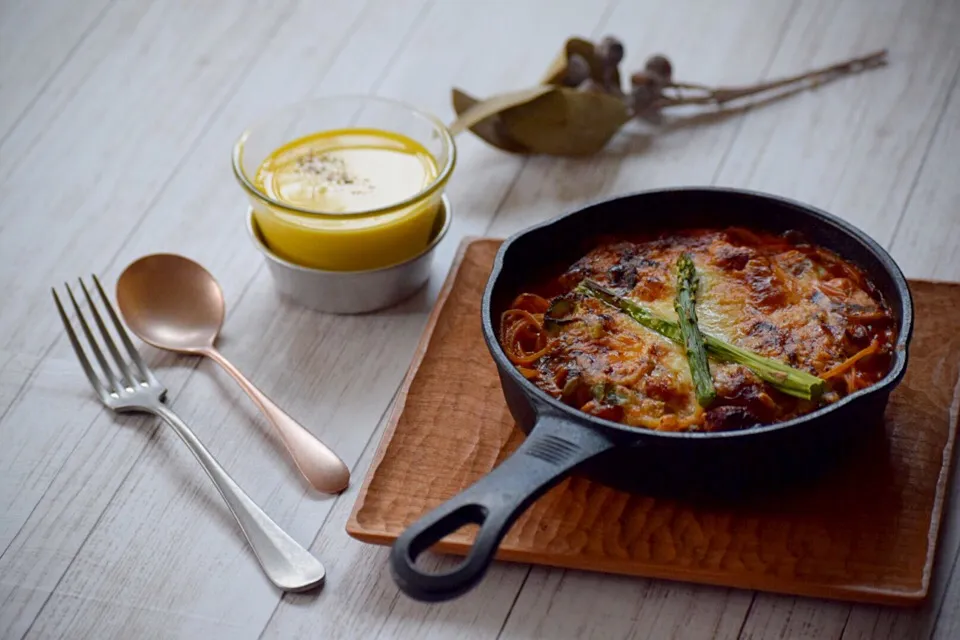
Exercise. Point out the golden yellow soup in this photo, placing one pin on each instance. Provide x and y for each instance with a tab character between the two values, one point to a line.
347	171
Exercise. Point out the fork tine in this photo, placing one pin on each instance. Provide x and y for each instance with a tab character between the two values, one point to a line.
125	370
81	355
113	382
145	371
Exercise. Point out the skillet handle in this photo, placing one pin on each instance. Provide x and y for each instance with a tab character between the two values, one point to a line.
553	448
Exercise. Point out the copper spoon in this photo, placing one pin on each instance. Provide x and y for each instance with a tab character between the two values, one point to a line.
173	303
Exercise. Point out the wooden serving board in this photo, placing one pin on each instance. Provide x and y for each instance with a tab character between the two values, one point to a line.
866	532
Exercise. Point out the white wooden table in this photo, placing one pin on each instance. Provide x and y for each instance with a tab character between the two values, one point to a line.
116	121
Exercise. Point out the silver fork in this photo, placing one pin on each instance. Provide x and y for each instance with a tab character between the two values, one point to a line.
132	387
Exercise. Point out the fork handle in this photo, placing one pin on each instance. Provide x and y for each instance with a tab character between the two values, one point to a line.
287	564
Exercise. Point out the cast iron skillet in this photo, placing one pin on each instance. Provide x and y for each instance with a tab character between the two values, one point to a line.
561	439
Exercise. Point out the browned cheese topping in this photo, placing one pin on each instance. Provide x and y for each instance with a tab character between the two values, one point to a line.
774	295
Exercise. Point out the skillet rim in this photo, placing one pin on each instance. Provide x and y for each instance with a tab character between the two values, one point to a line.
885	385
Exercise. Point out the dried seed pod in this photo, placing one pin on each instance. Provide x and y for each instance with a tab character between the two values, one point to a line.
611	82
610	50
643	97
660	66
647	81
610	53
578	70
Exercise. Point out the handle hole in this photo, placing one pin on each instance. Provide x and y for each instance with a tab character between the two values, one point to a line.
469	516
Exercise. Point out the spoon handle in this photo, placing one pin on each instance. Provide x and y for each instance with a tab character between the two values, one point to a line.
322	468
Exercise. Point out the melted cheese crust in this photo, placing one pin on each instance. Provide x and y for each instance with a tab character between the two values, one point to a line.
774	295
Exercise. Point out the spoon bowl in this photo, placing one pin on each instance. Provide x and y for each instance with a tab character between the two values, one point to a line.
173	303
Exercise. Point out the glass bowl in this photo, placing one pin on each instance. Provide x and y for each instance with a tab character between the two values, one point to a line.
354	241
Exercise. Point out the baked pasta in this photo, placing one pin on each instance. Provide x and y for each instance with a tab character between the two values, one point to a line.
786	327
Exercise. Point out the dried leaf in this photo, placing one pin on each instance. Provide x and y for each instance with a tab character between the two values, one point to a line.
491	129
492	106
558	68
565	122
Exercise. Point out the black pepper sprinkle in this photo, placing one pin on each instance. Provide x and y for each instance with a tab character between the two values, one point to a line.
332	171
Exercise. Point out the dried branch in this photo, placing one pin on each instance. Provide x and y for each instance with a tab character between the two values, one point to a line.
580	103
721	95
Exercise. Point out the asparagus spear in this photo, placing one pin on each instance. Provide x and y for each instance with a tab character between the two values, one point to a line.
685	304
781	376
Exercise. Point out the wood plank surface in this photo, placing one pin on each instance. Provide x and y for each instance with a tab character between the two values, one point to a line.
37	37
928	237
853	146
169	226
116	121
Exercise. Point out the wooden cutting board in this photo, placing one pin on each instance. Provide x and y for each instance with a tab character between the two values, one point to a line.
866	532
